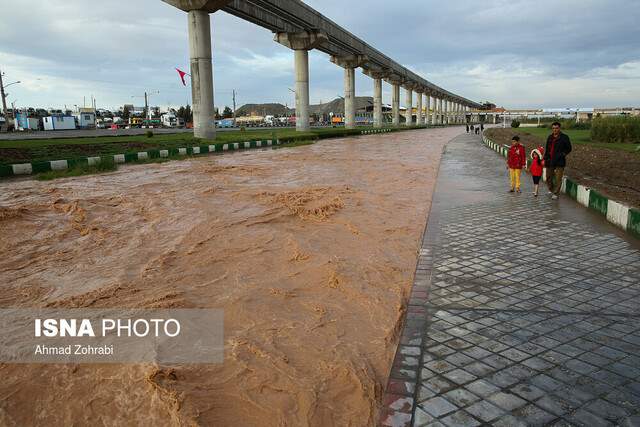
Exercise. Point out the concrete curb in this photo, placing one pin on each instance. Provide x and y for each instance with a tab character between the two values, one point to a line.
53	165
616	213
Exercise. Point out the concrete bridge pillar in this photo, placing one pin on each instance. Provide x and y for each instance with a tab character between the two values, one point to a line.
434	113
377	103
201	67
419	121
409	105
395	103
427	114
377	75
349	98
446	112
301	43
349	63
301	70
452	114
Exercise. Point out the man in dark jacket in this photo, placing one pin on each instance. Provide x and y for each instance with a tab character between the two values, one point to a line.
555	159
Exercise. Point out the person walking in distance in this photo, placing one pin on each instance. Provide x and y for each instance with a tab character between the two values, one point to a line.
555	159
516	161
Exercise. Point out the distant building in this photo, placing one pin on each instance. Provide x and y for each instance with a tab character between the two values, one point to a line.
58	122
86	118
584	114
133	110
24	122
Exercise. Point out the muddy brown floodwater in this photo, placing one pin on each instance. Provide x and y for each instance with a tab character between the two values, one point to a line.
310	251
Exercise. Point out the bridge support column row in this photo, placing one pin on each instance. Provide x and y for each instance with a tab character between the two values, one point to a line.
201	67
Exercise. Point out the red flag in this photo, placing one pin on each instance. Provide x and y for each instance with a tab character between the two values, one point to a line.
182	74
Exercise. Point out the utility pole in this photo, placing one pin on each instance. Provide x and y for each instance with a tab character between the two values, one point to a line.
146	102
234	107
146	107
4	100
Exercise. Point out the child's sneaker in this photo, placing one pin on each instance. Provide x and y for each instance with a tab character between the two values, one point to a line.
554	197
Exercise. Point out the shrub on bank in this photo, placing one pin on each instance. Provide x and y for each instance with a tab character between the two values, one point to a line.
515	123
616	129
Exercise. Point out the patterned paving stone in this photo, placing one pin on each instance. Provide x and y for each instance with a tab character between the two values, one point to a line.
585	418
507	401
461	397
461	419
460	377
528	391
537	327
484	410
532	415
438	406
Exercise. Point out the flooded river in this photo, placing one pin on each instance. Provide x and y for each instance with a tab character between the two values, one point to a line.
310	251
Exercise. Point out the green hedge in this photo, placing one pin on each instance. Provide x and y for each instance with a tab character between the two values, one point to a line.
633	225
616	129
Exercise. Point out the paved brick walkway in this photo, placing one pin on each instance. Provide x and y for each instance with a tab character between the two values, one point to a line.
524	311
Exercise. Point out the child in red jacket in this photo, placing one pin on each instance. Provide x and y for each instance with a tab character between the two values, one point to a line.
537	164
516	161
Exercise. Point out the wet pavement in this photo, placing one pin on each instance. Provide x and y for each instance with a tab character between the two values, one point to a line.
524	311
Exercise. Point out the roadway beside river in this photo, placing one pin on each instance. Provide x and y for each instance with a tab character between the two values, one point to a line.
93	133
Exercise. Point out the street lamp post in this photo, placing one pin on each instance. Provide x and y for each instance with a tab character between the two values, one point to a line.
4	95
147	95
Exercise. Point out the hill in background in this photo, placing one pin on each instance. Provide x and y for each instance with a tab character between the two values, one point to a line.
336	106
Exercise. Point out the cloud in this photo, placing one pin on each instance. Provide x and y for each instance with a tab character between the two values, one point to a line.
277	65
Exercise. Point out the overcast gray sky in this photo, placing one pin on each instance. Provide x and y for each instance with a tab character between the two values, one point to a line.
516	53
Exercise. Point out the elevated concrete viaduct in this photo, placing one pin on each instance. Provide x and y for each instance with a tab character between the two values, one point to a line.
301	28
